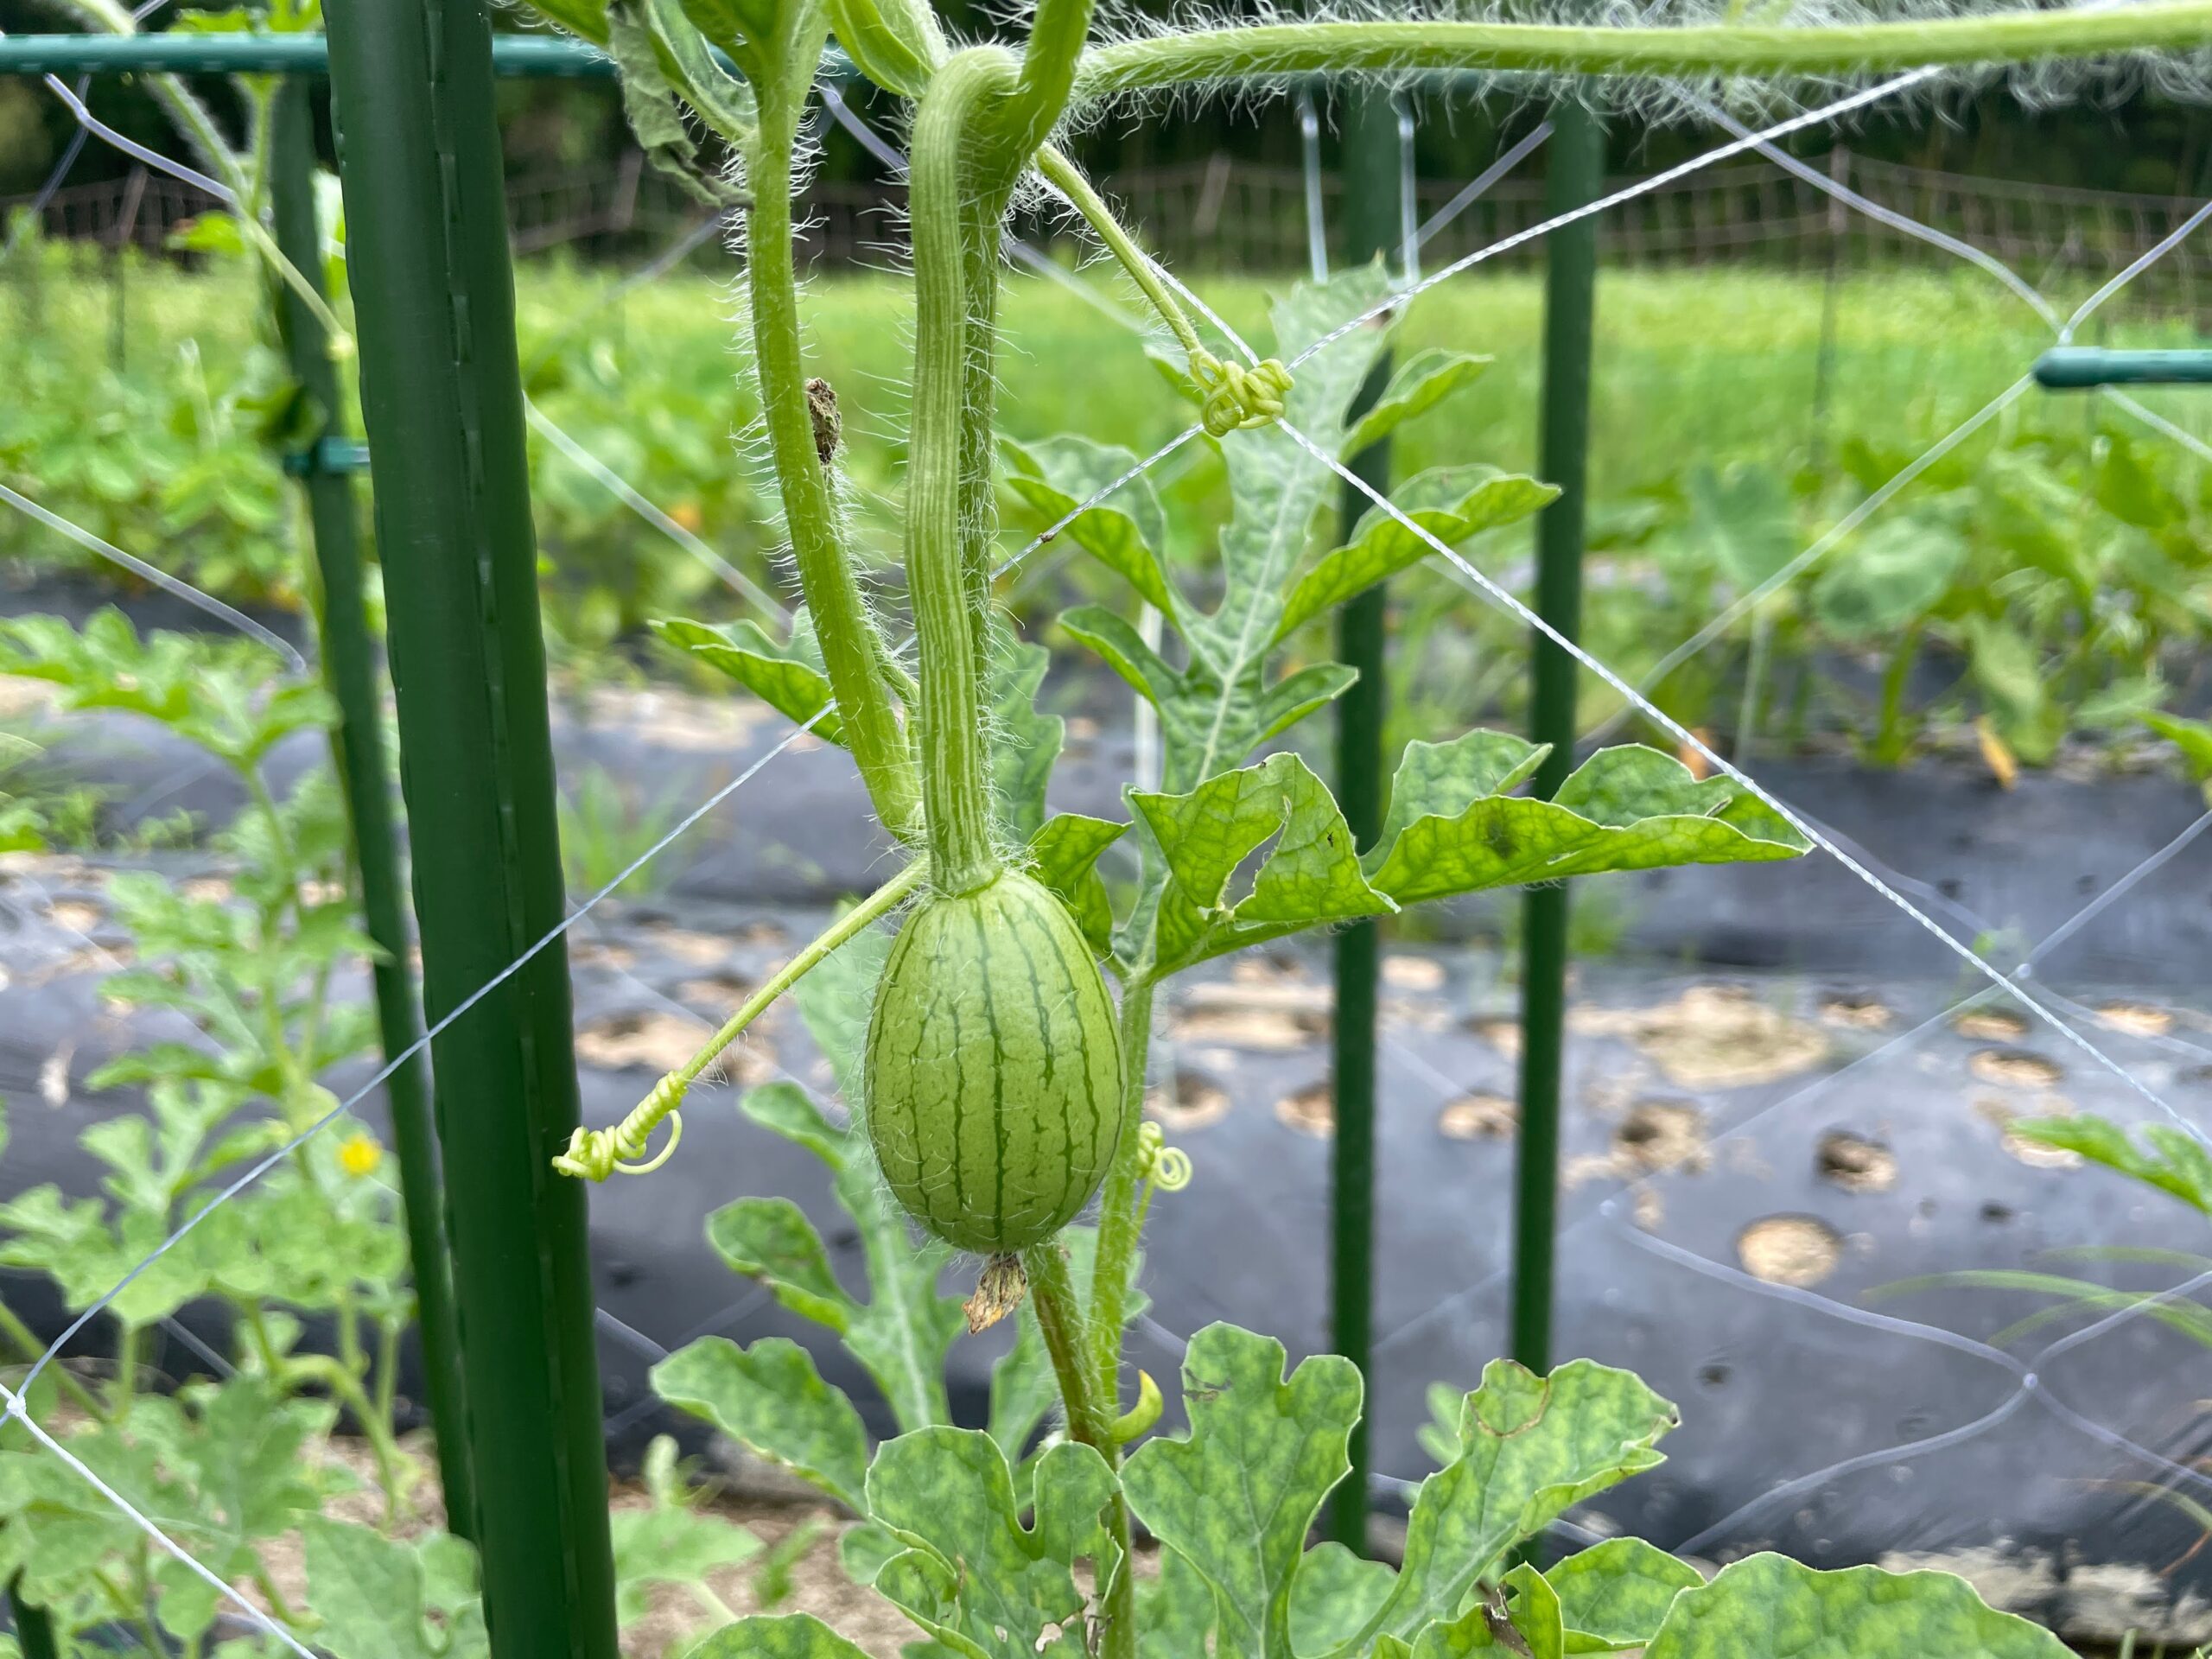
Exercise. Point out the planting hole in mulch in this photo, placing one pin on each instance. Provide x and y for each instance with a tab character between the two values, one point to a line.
1310	1111
1797	1250
1653	1137
650	1040
1192	1103
1661	1134
2016	1068
1278	1014
1478	1117
2136	1019
701	949
1857	1011
2033	1154
1856	1164
1502	1035
1402	972
597	953
722	993
78	915
1990	1025
1712	1037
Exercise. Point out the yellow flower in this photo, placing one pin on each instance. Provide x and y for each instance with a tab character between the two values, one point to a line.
360	1155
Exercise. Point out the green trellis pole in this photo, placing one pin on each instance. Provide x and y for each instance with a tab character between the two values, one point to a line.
1370	169
441	399
349	668
1574	171
33	1626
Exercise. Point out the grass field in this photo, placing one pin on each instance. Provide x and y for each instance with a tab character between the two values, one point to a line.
1696	370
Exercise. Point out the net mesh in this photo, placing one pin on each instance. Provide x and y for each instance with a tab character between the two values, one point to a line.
1891	1409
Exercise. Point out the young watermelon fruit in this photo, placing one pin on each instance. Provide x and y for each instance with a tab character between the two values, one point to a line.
994	1067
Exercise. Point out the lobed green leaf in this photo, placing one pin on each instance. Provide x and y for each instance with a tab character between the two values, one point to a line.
790	677
770	1398
1613	1596
1382	546
1532	1447
1421	382
1235	1498
1770	1607
782	1636
973	1576
1066	850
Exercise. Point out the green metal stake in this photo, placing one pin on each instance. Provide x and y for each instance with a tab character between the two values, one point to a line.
34	1628
1573	172
2076	368
349	669
1371	175
441	399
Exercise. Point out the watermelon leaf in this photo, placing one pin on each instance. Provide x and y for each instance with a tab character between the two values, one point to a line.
1768	1607
1531	1447
972	1575
1613	1595
770	1399
1421	382
779	1636
670	1541
1279	1446
789	678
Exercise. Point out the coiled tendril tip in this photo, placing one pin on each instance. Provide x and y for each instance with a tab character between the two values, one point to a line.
594	1154
1238	398
1167	1168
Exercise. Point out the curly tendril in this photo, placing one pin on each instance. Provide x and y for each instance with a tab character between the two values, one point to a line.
1167	1168
1238	398
594	1154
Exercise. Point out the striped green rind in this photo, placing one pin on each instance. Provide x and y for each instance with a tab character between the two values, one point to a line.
993	1068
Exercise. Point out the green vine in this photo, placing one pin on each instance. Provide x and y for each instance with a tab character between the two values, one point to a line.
1772	51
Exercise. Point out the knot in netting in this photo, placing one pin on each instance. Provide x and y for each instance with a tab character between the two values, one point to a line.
1168	1168
594	1154
1237	398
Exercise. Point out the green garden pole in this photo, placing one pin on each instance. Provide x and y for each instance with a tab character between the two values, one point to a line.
1573	172
33	1627
349	668
2077	368
442	401
1371	168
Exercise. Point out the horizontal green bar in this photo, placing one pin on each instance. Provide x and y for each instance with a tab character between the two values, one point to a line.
521	57
175	52
328	455
2067	368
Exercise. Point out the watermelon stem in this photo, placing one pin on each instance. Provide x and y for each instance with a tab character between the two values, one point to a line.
594	1154
1059	1317
858	663
958	195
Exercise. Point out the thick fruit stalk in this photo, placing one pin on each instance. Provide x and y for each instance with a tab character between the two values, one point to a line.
994	1070
994	1077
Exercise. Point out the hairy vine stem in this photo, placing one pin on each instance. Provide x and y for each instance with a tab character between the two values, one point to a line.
954	195
852	648
1381	46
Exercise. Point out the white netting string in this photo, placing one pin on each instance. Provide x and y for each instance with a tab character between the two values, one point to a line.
14	1401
